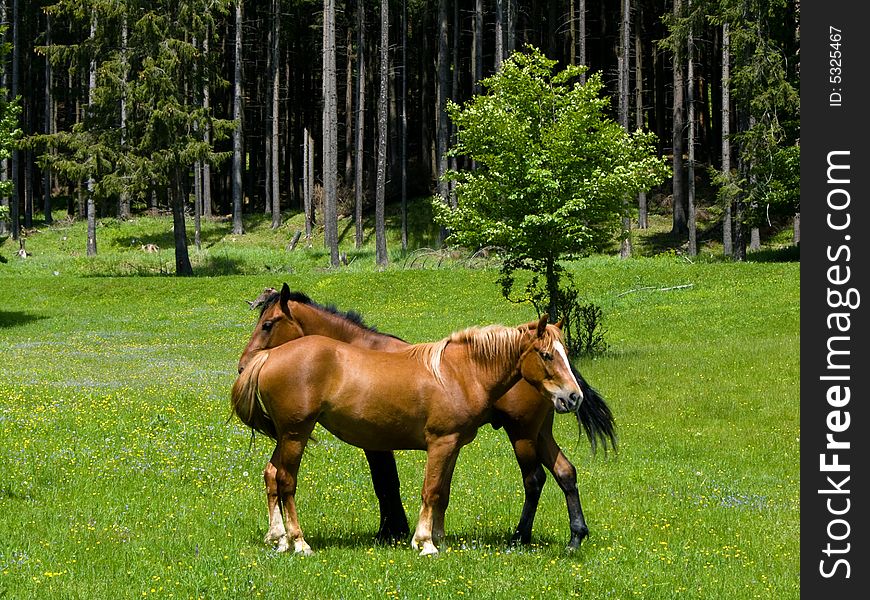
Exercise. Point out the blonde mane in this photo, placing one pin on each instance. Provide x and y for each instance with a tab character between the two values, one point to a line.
486	344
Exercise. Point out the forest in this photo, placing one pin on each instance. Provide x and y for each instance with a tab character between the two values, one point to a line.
220	108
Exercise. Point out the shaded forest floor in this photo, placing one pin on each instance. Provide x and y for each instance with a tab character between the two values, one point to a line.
143	245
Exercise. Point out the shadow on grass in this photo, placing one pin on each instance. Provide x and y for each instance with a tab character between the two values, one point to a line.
775	255
459	541
17	319
216	265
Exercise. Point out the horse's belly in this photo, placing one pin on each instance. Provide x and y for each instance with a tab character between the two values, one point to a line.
376	432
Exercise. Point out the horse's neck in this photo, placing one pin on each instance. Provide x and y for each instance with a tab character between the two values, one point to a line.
495	373
339	328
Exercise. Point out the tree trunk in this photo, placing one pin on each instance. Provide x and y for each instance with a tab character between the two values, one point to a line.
552	289
510	27
477	46
197	205
330	133
690	55
739	226
46	172
14	217
360	125
182	259
499	33
124	201
796	229
623	64
307	185
28	173
404	125
206	136
679	228
727	241
754	239
349	129
238	227
581	37
642	220
276	113
4	163
572	34
441	117
380	228
92	209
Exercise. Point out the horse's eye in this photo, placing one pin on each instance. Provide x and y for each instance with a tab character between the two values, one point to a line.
546	356
267	326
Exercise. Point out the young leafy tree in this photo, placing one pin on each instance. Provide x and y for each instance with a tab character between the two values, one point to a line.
552	173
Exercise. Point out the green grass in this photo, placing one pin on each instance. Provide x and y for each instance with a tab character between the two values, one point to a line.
121	477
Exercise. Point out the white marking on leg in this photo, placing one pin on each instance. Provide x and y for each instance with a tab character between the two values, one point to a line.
300	546
428	549
276	525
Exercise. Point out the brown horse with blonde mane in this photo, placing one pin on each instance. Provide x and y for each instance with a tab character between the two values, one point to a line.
431	396
526	416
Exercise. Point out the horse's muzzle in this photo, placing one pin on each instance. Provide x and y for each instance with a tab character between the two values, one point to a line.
569	403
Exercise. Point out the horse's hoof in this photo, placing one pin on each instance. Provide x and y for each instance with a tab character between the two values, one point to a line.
518	539
576	539
283	545
391	536
302	547
428	549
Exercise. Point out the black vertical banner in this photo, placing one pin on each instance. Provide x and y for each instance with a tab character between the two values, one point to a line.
835	299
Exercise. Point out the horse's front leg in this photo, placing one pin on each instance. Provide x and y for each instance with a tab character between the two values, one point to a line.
441	455
276	534
289	454
566	476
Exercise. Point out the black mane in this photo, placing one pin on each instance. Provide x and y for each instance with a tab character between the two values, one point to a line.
302	298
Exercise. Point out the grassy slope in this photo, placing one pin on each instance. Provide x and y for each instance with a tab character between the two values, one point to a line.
119	475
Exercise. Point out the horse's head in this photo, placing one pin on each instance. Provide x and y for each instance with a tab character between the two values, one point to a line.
275	326
544	364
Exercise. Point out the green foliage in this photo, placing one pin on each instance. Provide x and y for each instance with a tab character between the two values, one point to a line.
10	131
765	84
164	123
551	168
551	172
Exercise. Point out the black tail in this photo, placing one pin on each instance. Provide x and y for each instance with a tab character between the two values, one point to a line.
594	416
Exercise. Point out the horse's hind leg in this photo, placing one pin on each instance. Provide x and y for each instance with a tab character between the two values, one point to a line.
276	533
534	478
289	454
385	479
566	476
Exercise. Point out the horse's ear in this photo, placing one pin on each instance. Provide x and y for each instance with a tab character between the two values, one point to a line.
542	324
285	298
559	323
261	299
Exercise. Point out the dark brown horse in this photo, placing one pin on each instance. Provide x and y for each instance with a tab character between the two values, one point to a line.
431	397
526	416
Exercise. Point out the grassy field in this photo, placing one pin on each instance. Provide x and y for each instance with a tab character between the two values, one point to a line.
121	477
